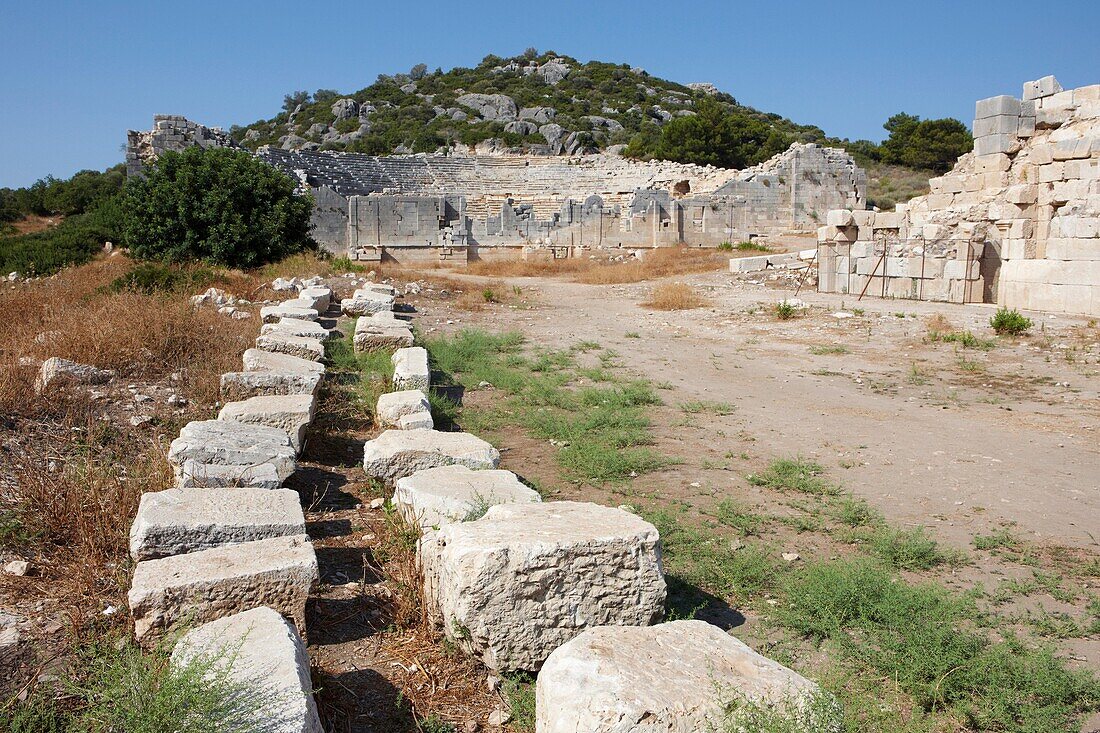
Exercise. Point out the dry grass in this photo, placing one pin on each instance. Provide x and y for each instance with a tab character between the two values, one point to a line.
674	297
938	323
655	264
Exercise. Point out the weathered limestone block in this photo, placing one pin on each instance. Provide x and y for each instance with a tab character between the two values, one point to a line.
233	444
194	475
299	346
438	496
211	584
319	295
298	327
524	579
242	385
289	413
398	453
375	335
55	371
416	421
668	678
839	218
259	360
258	650
273	313
748	264
365	302
999	105
410	369
392	406
1045	87
178	521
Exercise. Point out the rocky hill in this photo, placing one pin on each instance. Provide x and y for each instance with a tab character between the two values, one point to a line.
534	103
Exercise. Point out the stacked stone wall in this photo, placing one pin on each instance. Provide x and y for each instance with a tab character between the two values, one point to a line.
1024	206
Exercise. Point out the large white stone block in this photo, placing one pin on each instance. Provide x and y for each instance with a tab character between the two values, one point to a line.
194	475
211	584
242	385
310	349
373	334
365	302
178	521
669	678
524	579
319	297
298	327
259	360
1045	87
410	369
289	413
398	453
232	444
392	406
273	313
261	654
999	105
437	496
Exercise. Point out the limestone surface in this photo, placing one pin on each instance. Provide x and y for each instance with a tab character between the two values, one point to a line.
233	444
437	496
392	406
211	584
298	327
258	650
178	521
319	295
259	360
668	678
56	370
195	475
289	413
242	385
372	334
524	579
310	349
416	421
365	302
273	313
398	453
410	369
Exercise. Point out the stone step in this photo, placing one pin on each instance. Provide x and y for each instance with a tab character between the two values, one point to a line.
299	327
310	349
319	296
211	584
178	521
272	313
236	444
195	475
365	302
378	335
398	453
410	369
524	579
263	654
289	413
393	406
259	360
242	385
438	496
676	673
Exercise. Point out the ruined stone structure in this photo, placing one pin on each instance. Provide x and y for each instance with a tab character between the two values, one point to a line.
1016	222
459	207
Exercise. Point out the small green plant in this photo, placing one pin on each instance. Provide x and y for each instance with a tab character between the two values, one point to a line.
784	311
489	296
794	474
856	512
1001	539
519	692
1009	322
963	338
816	713
725	247
909	549
732	514
632	335
819	350
716	408
476	507
434	724
751	247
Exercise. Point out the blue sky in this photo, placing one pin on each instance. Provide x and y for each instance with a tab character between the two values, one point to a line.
76	75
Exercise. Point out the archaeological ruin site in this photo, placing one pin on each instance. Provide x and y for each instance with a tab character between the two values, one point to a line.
543	432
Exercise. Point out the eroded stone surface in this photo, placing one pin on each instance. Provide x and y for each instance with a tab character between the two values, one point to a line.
524	579
260	651
177	521
410	369
195	475
366	301
392	406
372	334
398	453
233	444
289	413
668	678
55	371
310	349
319	296
298	327
242	385
211	584
273	313
259	360
437	496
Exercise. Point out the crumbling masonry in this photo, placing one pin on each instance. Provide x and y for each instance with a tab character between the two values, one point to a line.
1016	222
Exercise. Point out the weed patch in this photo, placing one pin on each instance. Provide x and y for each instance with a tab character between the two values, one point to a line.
674	296
794	474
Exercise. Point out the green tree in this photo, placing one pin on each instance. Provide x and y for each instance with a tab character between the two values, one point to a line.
323	95
716	136
292	100
901	127
220	206
930	144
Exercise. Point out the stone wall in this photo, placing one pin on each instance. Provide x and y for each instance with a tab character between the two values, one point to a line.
169	133
1016	222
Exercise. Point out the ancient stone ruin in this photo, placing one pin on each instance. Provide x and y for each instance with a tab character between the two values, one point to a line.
1016	222
452	207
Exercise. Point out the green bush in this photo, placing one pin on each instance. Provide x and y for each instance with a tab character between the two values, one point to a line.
153	277
219	206
1006	322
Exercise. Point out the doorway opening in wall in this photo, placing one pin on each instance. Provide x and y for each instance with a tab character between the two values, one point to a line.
989	271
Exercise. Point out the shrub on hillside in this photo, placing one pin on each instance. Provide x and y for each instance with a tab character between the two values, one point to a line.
220	206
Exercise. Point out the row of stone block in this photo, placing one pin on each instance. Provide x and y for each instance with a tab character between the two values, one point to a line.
369	300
